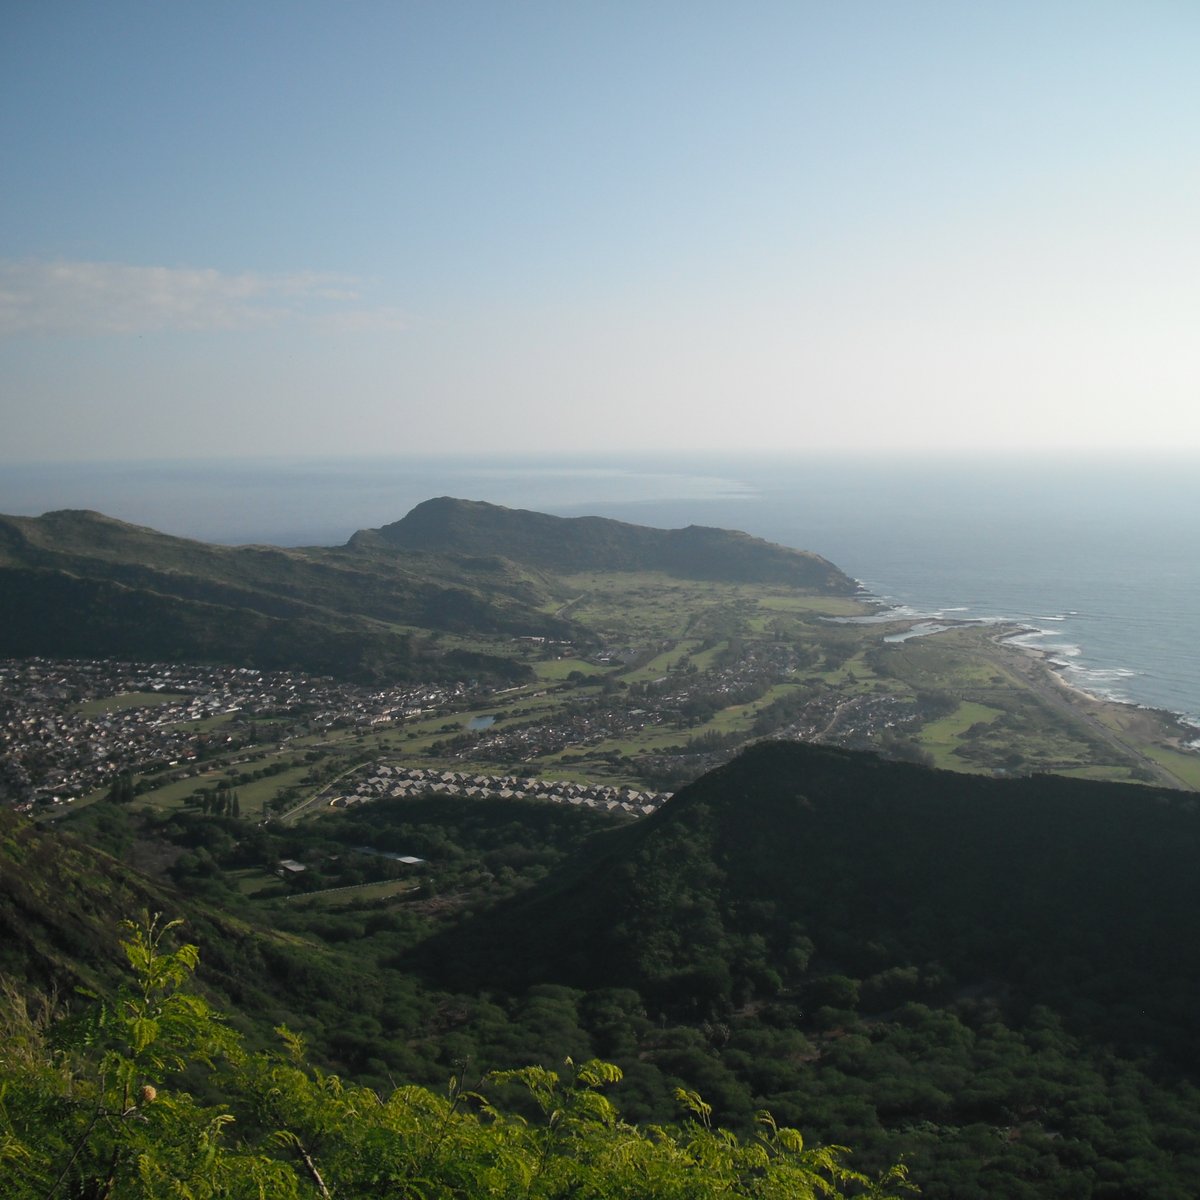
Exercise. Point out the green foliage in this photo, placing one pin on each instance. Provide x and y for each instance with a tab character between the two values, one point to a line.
596	543
83	1107
81	584
1063	889
93	1107
993	980
121	790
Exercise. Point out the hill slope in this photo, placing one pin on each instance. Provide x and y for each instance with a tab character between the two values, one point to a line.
77	583
599	544
1048	888
61	908
995	979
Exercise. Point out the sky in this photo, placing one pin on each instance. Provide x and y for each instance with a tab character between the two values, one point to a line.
297	228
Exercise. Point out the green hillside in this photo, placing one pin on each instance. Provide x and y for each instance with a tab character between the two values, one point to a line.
966	971
61	907
994	979
93	1104
1056	887
599	544
76	583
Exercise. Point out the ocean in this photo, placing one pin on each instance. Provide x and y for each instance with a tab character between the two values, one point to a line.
1099	559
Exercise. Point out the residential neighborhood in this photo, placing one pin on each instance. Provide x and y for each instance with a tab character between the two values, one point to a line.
383	780
69	727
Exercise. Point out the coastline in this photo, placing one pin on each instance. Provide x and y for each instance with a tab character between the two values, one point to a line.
1152	738
1135	729
929	624
1183	729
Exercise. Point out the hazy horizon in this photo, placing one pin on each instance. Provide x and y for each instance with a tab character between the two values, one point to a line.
1099	559
290	499
304	229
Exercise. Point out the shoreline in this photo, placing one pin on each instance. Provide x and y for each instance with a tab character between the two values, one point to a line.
1182	723
1177	727
941	622
1136	729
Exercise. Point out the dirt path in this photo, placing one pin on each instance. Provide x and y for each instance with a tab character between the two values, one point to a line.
564	609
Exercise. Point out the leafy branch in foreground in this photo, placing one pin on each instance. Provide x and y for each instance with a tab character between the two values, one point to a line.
91	1108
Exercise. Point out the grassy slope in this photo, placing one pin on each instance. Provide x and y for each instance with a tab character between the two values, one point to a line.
61	908
81	584
597	543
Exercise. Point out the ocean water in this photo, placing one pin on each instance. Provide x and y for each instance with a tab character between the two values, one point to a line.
1100	559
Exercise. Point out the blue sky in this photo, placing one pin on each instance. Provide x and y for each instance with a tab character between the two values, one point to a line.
364	228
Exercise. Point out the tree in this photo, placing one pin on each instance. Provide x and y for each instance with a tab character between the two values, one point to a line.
83	1109
89	1108
121	789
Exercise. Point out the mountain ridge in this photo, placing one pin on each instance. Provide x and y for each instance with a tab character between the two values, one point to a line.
77	582
703	904
601	543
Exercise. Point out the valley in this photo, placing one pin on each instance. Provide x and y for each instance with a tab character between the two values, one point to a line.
668	678
739	834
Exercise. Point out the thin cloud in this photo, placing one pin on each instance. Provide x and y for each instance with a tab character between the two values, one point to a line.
97	298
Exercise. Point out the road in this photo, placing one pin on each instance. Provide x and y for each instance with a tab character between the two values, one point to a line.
1057	697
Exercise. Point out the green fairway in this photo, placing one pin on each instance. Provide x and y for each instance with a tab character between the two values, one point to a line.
358	894
252	880
253	795
943	737
559	668
662	664
1184	766
828	606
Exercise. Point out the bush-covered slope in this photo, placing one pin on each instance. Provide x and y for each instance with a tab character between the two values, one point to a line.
57	614
78	583
795	859
599	544
93	1107
61	908
994	979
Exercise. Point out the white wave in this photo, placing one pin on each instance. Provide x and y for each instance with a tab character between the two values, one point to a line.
922	629
1032	634
896	612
